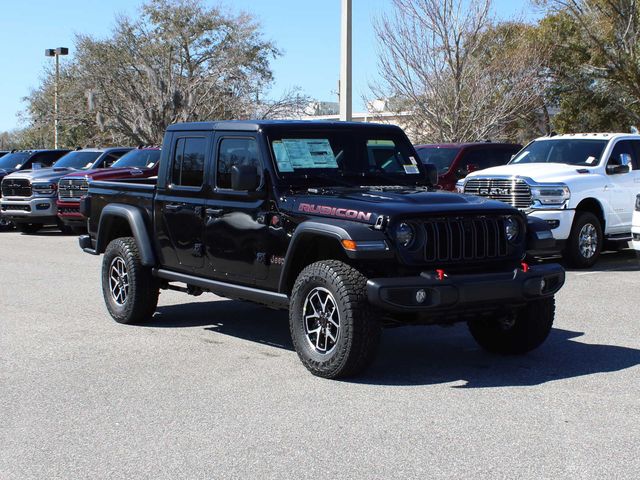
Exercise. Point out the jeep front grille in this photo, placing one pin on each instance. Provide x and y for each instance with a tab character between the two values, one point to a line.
72	189
16	187
460	239
514	192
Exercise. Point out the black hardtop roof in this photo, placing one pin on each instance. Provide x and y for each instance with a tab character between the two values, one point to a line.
256	125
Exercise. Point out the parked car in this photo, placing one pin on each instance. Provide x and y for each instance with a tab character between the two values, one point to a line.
17	160
455	161
137	163
29	196
301	215
584	186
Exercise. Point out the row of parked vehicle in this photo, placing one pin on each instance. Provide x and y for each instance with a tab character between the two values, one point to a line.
44	187
341	224
584	186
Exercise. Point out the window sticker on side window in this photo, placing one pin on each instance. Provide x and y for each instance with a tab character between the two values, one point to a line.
590	159
308	153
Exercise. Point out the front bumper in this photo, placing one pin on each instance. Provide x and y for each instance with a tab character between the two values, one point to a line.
34	209
456	293
559	221
69	213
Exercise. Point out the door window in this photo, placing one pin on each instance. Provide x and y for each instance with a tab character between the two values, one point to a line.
236	151
188	161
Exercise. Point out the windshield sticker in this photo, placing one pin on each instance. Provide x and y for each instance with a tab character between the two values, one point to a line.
590	160
309	153
149	165
411	169
88	165
282	159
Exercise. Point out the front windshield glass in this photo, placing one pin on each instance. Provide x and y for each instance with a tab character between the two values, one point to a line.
138	158
347	158
442	158
585	152
14	160
80	160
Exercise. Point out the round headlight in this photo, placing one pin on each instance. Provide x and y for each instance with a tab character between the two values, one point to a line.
511	228
404	234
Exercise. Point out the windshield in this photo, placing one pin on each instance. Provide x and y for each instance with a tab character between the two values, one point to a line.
346	158
442	158
14	160
585	152
80	160
138	158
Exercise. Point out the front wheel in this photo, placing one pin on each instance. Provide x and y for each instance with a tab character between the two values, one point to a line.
518	332
334	330
585	241
130	290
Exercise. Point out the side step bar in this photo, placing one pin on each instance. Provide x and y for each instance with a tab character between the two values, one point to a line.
239	292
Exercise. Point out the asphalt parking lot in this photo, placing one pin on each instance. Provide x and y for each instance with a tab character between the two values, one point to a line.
212	388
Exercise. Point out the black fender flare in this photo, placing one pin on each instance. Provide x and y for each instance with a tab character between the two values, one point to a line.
539	237
336	230
135	219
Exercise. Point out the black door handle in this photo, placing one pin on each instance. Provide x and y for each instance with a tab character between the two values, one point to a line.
214	212
172	207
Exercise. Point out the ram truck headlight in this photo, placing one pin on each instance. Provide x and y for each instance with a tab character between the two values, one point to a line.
460	186
550	195
511	228
405	234
44	188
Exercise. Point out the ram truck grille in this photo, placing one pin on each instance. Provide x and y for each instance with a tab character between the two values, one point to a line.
16	187
464	239
72	189
514	192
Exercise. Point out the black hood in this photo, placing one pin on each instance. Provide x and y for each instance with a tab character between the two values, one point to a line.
365	204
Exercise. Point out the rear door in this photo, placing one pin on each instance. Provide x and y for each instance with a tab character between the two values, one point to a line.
180	201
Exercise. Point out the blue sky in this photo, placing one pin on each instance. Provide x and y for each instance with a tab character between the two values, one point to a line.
307	31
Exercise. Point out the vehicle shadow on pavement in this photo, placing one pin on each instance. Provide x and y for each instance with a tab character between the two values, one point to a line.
431	355
623	260
229	317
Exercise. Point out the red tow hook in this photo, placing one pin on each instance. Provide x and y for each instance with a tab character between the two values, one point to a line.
525	267
440	274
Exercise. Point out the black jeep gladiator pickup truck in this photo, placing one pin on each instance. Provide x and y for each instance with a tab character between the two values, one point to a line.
338	222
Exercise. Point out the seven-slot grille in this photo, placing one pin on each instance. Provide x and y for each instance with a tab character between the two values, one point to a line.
16	187
72	188
514	192
463	239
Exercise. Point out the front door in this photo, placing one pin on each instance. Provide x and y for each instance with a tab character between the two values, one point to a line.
622	187
180	203
237	232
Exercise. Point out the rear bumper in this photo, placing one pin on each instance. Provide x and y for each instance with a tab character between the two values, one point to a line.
458	292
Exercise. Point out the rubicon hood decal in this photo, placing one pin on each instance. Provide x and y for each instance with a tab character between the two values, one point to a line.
334	211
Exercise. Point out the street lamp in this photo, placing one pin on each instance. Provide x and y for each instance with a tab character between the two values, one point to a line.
345	61
56	52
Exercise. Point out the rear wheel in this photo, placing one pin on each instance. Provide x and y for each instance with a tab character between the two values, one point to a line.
29	228
334	330
517	333
130	290
585	241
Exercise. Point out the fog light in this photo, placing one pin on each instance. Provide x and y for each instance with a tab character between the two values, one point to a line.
421	296
553	224
42	206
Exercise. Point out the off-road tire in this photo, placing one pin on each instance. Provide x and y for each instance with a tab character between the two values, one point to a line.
29	228
360	327
526	330
572	252
143	288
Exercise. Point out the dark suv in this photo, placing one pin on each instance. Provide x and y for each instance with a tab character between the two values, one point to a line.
455	160
336	222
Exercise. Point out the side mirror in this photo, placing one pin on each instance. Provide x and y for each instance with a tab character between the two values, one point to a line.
617	169
431	173
245	178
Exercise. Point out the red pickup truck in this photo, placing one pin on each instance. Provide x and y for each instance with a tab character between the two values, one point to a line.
139	163
455	160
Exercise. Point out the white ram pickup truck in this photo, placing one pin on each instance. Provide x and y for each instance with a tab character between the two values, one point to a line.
583	185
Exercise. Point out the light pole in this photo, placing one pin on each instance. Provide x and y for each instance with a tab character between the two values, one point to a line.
345	62
57	53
